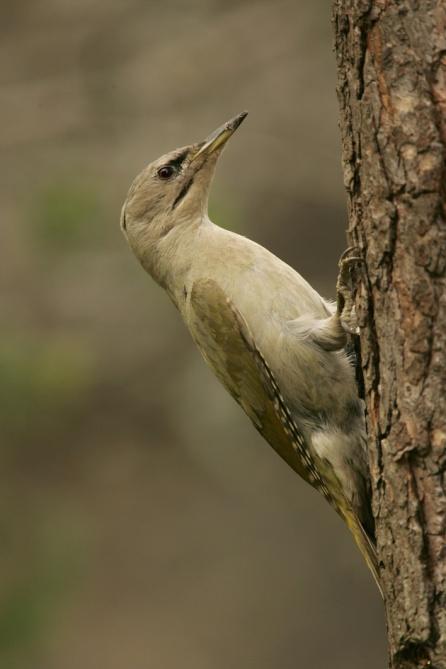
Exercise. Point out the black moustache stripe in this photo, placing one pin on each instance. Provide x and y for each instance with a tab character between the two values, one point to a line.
183	192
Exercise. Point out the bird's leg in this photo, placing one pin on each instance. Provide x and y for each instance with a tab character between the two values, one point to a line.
331	333
346	311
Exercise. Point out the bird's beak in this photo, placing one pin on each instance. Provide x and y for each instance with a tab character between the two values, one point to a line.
219	137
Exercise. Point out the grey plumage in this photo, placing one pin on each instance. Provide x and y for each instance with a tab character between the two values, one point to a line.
276	345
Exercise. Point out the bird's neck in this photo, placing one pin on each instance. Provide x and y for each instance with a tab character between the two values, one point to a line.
174	257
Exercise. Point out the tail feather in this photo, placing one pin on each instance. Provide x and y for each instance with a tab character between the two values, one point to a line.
366	546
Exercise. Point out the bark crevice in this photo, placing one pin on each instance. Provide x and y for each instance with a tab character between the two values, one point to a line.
391	58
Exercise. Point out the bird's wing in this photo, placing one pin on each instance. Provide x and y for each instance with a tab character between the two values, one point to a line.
229	348
226	343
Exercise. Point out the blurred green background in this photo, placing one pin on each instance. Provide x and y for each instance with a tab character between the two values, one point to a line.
143	521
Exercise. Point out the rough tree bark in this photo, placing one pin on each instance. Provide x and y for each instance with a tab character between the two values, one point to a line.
391	57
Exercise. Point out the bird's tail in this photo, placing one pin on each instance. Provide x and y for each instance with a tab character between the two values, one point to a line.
365	545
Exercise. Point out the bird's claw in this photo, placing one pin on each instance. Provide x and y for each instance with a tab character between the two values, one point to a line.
345	306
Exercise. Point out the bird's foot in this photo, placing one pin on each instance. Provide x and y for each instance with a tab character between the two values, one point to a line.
344	289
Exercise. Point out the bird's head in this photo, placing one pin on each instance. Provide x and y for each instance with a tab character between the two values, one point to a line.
172	191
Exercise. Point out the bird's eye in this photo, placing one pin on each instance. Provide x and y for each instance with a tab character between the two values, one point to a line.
166	172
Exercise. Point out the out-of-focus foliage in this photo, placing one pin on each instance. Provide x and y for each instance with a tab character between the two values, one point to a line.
42	381
32	600
66	218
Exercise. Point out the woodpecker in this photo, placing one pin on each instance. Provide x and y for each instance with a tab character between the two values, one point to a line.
274	343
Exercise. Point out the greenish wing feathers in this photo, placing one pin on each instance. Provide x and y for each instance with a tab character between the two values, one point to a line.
228	347
231	351
226	343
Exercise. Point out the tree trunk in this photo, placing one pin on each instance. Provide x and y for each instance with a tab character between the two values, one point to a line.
391	57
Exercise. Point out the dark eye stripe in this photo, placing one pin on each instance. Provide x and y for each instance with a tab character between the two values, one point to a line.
183	192
178	161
